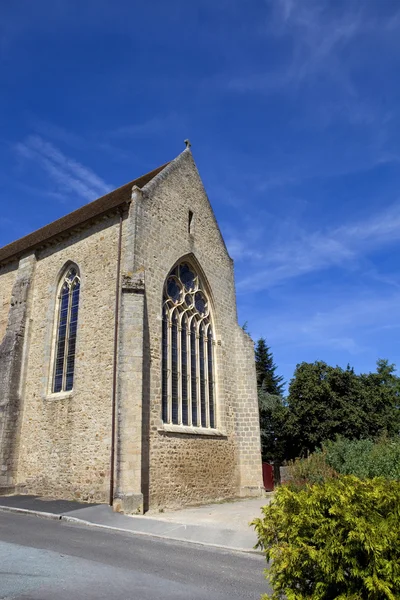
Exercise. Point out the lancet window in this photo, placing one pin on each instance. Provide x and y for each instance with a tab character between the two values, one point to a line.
67	326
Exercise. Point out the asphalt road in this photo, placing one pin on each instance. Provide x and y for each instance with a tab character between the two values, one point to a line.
51	560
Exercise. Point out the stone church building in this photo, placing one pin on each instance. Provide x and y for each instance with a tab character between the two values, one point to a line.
124	375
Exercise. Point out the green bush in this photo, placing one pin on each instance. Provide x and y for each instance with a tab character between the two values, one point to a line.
313	469
364	458
334	540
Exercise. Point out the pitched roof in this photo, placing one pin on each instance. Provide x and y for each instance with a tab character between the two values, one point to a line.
76	218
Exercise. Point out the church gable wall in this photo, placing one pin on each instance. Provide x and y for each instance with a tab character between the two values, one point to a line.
7	279
187	468
65	438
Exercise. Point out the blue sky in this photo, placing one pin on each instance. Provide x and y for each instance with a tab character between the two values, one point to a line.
293	110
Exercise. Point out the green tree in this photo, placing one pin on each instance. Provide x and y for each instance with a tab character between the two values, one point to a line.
326	401
273	417
273	411
267	379
381	400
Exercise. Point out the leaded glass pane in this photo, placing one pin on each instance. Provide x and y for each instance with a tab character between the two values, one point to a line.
188	300
211	379
200	303
61	339
202	379
165	366
174	350
187	277
193	371
184	373
173	290
71	275
73	325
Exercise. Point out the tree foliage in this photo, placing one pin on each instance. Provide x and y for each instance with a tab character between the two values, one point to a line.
364	459
271	404
325	402
338	539
273	416
267	379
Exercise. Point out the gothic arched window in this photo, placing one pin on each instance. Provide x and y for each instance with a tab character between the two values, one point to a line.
188	390
67	323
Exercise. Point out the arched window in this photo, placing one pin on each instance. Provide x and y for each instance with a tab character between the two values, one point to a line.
188	395
67	323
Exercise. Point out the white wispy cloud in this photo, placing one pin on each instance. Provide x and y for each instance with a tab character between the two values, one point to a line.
69	175
90	141
288	257
317	37
348	324
319	66
310	167
318	31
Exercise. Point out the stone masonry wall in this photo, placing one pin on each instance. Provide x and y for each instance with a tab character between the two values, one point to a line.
187	468
12	355
7	278
247	417
65	437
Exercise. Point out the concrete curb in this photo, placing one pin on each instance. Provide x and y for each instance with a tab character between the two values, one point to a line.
76	520
27	511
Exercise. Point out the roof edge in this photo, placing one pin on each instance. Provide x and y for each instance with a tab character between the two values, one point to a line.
169	168
80	217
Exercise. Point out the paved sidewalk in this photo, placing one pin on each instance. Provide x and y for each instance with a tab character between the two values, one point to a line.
225	524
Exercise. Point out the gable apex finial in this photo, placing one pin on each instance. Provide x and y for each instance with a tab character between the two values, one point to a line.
187	143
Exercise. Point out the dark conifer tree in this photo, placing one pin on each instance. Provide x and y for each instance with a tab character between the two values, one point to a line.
267	379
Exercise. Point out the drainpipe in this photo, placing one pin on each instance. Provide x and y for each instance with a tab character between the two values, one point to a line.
115	357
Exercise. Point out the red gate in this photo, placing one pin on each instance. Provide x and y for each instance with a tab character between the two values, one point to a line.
268	477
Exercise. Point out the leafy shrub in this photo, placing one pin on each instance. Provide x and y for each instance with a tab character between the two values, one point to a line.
313	469
335	540
364	458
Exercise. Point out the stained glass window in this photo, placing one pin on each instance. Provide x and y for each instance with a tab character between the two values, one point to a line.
188	396
68	306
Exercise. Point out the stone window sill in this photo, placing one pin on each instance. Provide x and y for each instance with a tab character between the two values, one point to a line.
186	429
59	396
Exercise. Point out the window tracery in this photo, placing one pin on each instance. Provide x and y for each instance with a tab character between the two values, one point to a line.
188	380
